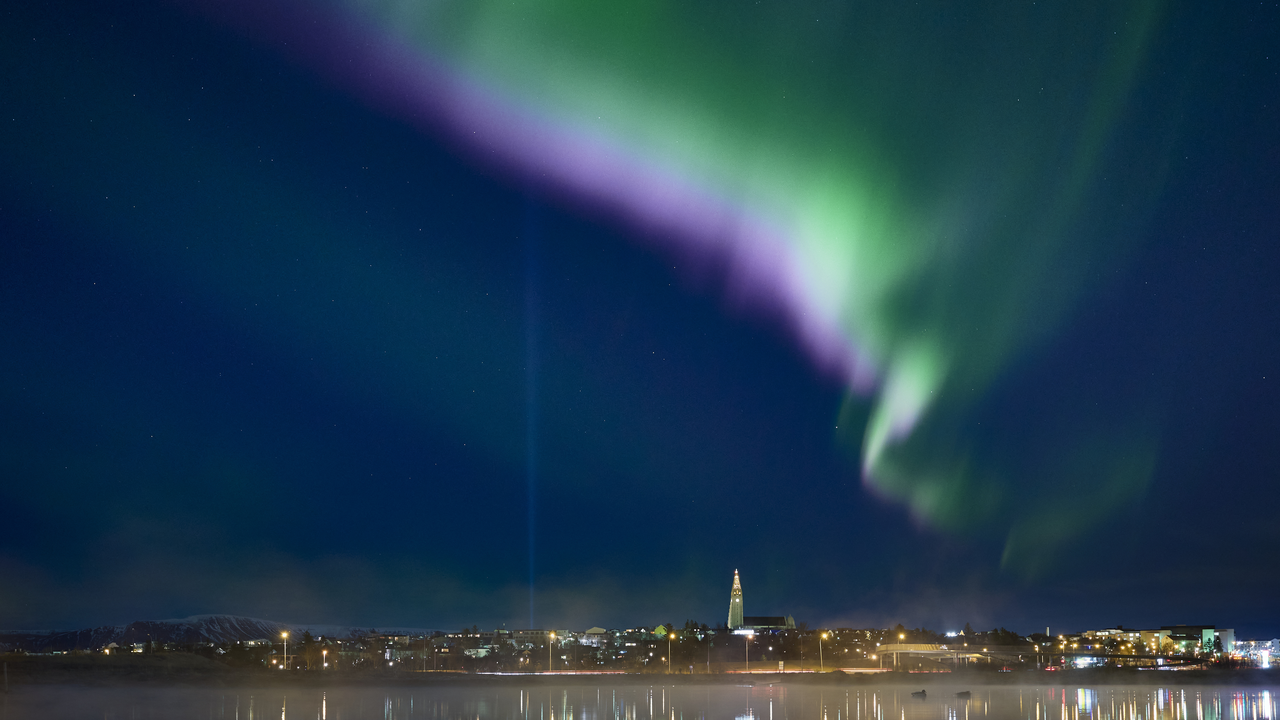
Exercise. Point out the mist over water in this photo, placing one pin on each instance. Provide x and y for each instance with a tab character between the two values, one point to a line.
763	701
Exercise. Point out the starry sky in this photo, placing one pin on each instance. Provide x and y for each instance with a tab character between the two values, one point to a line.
556	314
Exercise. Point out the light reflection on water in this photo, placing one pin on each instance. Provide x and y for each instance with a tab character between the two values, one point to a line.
761	702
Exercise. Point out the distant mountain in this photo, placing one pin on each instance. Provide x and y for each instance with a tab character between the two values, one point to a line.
187	631
197	629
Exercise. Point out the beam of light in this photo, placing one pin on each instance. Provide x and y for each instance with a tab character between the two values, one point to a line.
917	191
532	233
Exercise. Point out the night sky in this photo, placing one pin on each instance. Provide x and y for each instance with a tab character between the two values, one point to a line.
927	318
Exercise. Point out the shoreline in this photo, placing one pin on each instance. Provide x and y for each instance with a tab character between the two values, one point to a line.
196	672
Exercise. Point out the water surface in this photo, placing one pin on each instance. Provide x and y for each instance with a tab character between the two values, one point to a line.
631	702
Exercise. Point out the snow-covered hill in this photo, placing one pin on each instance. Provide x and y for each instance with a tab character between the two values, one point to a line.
185	631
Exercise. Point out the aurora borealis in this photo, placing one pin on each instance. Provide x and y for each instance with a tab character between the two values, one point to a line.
916	229
985	286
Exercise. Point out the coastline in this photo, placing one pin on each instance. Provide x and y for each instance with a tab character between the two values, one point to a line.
187	670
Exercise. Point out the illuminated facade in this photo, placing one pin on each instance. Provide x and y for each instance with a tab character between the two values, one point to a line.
1169	638
735	603
747	625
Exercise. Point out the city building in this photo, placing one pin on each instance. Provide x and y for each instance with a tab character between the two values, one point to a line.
595	637
769	622
530	637
1199	638
745	624
1259	651
495	637
1227	638
1118	633
735	603
391	638
1168	638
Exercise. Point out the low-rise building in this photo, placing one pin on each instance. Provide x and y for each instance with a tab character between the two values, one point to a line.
1118	633
1260	650
1183	639
595	637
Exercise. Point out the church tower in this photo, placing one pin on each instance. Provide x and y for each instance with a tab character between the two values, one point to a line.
735	603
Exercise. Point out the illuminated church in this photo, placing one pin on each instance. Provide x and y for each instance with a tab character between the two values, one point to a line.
746	624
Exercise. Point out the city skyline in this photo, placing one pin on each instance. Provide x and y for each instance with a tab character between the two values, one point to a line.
248	643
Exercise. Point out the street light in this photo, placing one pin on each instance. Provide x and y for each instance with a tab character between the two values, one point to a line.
670	637
285	635
747	638
553	637
821	667
325	653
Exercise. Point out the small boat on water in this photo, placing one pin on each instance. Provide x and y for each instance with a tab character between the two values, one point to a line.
918	694
964	694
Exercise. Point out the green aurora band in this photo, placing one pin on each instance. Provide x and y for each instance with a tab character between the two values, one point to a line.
919	189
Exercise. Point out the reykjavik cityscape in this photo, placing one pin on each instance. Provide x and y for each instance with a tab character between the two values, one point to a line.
639	360
760	644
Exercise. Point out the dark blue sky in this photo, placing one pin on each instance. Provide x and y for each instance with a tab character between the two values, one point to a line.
266	352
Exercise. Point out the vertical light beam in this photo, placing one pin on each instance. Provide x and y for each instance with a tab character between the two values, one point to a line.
532	231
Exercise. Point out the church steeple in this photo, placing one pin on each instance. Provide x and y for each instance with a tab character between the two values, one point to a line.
735	603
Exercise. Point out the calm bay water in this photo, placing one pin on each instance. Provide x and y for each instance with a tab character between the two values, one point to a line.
629	702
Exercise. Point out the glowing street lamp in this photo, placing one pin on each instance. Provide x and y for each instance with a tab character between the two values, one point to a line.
553	637
747	638
670	637
285	635
821	667
325	654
